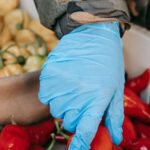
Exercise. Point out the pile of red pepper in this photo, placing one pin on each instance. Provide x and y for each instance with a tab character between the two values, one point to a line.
136	126
16	137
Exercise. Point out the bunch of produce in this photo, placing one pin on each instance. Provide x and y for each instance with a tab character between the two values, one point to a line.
136	125
24	46
16	137
43	136
24	42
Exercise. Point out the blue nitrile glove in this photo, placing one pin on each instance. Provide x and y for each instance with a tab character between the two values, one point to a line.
82	81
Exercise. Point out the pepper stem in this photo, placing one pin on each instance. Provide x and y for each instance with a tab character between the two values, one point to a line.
21	60
13	122
60	130
1	63
52	143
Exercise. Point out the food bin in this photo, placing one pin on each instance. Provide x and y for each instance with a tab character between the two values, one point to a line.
137	54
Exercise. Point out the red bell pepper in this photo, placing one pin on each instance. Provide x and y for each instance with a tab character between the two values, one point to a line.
135	107
102	140
141	144
40	133
139	83
143	130
69	141
14	137
37	147
61	139
116	148
129	133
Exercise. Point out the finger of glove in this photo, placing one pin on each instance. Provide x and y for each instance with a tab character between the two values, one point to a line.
52	83
70	120
114	117
88	126
85	133
74	113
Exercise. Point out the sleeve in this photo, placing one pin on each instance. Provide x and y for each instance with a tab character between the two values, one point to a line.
108	9
49	11
57	14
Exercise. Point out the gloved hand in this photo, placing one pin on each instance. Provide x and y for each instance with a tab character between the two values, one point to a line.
83	80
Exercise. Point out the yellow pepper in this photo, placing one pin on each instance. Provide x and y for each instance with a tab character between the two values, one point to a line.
1	24
24	37
34	63
12	69
16	20
33	42
47	34
7	6
12	54
5	36
1	63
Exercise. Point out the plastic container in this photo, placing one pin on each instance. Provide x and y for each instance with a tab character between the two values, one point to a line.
137	54
29	6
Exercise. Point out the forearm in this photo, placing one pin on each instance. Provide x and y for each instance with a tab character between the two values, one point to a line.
19	100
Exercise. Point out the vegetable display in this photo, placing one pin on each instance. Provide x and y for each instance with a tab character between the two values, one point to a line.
40	134
102	140
139	83
24	46
24	42
129	133
14	137
143	130
141	144
44	135
37	147
8	6
135	107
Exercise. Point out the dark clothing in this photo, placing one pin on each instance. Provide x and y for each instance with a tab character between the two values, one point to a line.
55	14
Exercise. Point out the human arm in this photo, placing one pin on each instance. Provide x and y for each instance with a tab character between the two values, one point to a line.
63	16
83	80
19	99
84	86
